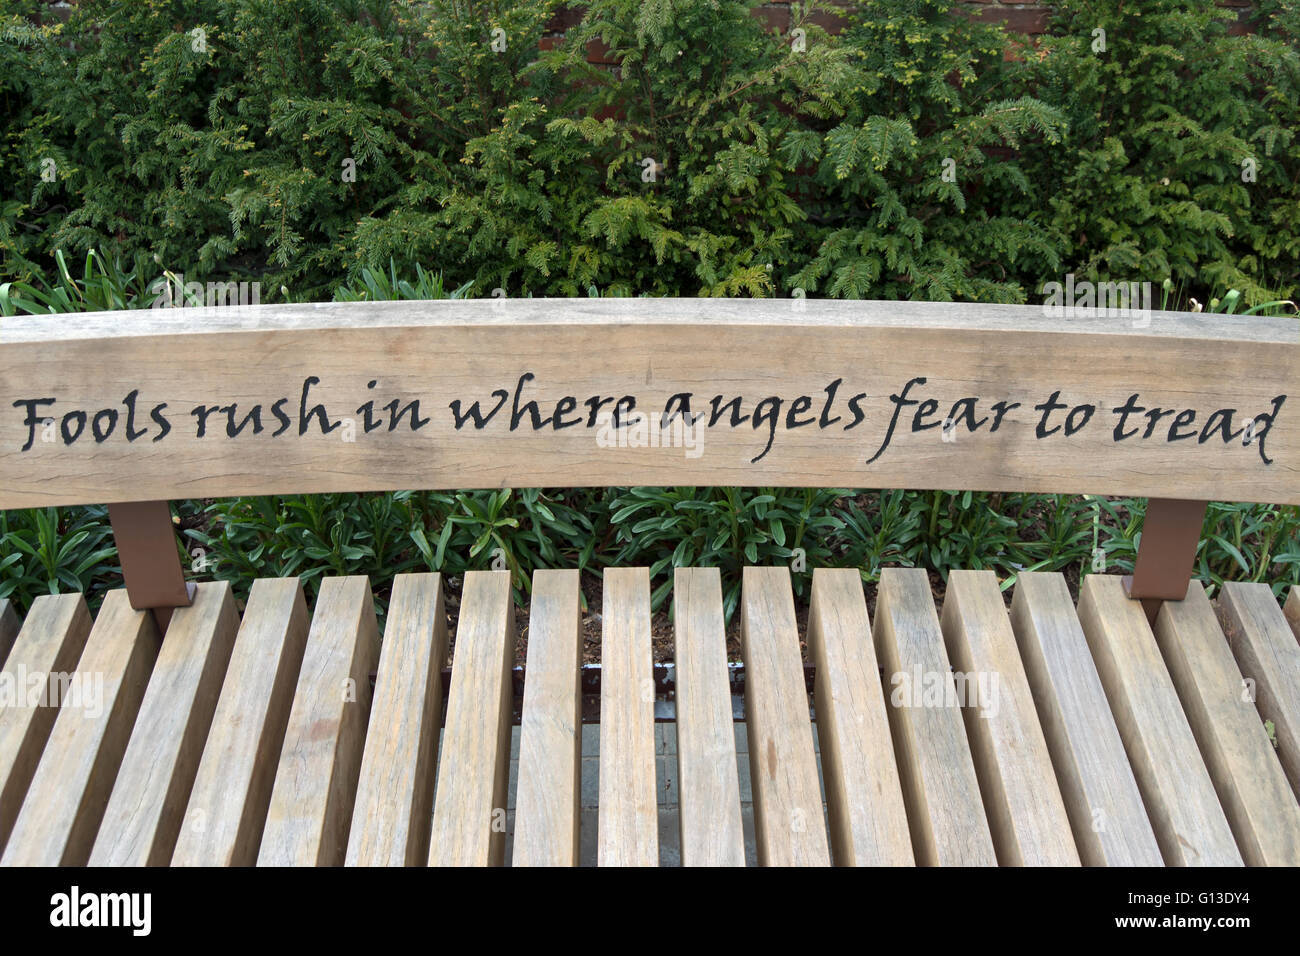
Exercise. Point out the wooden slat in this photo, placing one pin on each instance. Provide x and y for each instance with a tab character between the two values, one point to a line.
394	806
938	774
469	809
9	627
50	643
1101	796
628	816
232	787
1252	787
710	828
864	797
547	800
1021	795
1189	823
1268	654
65	802
144	812
310	813
789	826
1292	609
1041	415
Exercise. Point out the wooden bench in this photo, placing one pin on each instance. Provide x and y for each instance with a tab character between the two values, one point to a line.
1125	729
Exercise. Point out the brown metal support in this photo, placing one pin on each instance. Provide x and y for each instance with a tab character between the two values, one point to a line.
1163	569
151	568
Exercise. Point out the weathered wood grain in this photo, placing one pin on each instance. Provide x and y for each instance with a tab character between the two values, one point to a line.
808	361
949	826
1184	809
232	787
1292	609
394	807
469	810
144	812
310	813
789	824
864	797
1252	787
1021	795
1269	656
65	802
48	646
627	825
550	772
710	827
1110	823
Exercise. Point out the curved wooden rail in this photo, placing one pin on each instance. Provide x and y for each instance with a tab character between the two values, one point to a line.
110	407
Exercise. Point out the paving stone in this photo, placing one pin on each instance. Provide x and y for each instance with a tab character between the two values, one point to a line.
587	837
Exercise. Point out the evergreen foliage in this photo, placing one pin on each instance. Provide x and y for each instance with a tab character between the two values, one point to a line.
918	154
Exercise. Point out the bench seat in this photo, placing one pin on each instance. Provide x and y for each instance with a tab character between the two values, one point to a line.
984	731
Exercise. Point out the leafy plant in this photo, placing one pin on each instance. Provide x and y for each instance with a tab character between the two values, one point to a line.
1182	157
375	286
308	537
1232	301
725	528
43	552
102	287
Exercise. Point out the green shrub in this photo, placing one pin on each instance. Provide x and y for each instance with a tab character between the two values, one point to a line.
915	187
1164	124
216	136
917	155
213	137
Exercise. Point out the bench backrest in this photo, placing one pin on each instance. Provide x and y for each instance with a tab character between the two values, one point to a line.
203	402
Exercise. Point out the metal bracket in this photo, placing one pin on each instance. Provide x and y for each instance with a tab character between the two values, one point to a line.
1163	569
151	568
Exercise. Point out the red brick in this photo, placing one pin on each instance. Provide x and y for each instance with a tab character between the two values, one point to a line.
1244	24
565	18
597	52
1020	48
1016	19
829	21
775	17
